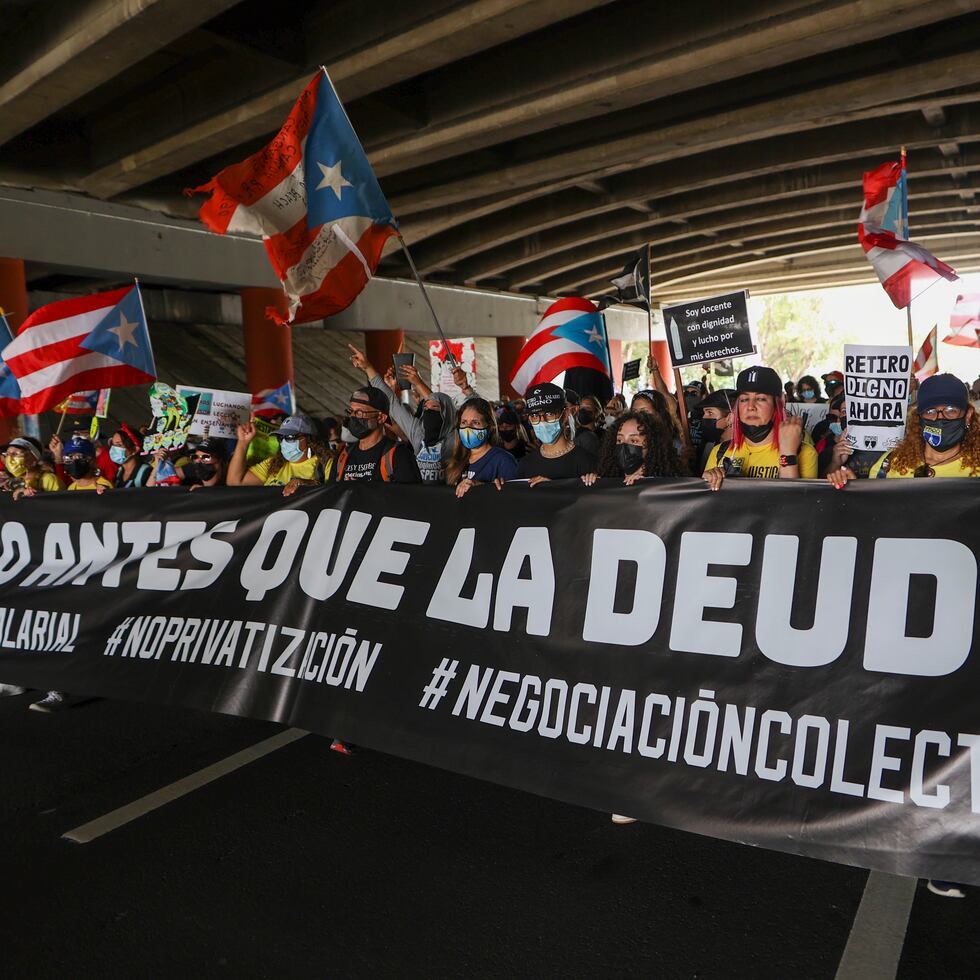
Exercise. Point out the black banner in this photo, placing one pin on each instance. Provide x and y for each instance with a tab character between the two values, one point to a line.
778	663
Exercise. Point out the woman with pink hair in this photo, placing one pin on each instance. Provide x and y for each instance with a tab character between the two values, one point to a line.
766	443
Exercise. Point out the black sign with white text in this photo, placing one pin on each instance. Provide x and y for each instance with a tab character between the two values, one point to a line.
631	370
779	663
712	329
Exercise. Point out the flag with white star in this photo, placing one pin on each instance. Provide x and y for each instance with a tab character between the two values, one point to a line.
81	344
571	334
313	197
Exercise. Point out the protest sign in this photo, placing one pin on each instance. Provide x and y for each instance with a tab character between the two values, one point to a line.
876	390
464	350
631	370
810	413
712	329
584	646
219	413
172	417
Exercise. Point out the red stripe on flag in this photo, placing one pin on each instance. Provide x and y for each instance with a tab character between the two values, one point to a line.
42	357
103	377
531	346
65	308
564	362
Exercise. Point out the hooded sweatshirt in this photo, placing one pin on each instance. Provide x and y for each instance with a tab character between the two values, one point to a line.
431	459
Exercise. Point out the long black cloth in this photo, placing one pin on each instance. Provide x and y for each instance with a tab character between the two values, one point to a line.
777	663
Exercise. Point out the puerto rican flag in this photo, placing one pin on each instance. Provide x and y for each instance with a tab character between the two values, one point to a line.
81	402
9	389
271	402
313	197
571	334
927	360
903	268
964	322
98	341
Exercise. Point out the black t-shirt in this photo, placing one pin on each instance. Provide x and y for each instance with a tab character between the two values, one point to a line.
364	464
518	450
578	462
588	440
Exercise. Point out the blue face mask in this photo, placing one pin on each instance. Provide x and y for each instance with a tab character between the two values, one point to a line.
473	438
808	395
547	432
117	454
836	428
291	451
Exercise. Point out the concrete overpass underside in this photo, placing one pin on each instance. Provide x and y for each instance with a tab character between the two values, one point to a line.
527	146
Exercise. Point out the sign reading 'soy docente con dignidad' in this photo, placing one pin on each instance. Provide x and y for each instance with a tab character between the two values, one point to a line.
779	663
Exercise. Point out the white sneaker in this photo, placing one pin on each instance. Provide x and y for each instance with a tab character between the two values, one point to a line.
945	889
52	701
11	690
622	819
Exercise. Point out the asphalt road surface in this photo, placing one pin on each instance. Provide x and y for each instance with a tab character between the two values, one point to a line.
304	863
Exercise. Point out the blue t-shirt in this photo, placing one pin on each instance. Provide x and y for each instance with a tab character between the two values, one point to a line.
497	462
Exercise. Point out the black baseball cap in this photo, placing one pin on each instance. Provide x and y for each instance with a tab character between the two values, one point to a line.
724	399
544	398
213	447
760	380
375	397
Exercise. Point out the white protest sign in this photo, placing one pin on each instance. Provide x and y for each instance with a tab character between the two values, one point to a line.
219	413
464	350
876	391
811	414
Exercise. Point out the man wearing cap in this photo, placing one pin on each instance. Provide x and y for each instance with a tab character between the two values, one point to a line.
558	457
942	437
299	462
766	443
375	456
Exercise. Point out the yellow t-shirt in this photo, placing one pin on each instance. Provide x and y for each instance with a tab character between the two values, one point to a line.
101	481
304	470
47	483
762	462
955	467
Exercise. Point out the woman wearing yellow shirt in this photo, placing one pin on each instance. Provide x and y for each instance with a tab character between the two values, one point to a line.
942	437
22	461
301	460
766	443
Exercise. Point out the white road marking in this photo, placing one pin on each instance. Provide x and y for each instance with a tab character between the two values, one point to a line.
131	811
874	946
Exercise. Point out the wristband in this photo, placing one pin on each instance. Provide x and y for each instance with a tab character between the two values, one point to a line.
789	460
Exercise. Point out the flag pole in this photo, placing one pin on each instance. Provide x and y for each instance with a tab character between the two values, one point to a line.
649	305
905	235
428	302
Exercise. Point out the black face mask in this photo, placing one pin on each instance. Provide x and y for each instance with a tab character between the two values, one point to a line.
585	416
944	434
77	468
431	426
199	472
359	428
757	433
709	430
629	458
507	435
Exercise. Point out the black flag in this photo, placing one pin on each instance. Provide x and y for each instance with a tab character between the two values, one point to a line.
633	283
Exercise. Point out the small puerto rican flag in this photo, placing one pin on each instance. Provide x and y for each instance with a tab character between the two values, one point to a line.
313	197
964	322
271	402
927	360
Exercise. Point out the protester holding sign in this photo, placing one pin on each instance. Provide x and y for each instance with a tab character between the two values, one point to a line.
942	438
375	455
766	443
637	446
299	462
477	456
558	457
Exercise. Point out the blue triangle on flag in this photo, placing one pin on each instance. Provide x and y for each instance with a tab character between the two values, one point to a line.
589	332
9	386
123	335
339	180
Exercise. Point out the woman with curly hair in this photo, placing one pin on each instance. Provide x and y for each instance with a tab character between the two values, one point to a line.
942	437
808	390
302	460
637	445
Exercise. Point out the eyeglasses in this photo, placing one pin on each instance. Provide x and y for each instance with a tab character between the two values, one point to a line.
76	456
357	414
201	456
534	417
948	412
292	437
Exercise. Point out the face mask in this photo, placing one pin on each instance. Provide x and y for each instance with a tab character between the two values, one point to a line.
610	419
508	435
333	445
629	458
709	430
837	429
757	433
808	395
77	468
473	438
431	426
291	452
547	432
360	428
346	435
117	454
944	433
586	417
16	467
199	472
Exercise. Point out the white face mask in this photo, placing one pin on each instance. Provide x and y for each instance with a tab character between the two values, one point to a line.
345	435
610	420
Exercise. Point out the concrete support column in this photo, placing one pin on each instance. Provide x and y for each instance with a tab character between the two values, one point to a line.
616	359
508	350
661	351
268	346
379	345
13	302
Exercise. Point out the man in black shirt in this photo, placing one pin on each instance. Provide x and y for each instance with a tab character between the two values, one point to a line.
374	456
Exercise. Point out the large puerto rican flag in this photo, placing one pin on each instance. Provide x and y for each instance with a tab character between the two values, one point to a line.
313	197
964	322
571	334
98	341
903	268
